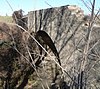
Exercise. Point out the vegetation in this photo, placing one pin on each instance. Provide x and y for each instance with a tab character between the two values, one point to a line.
7	19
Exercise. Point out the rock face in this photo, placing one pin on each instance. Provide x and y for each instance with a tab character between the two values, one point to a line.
76	10
65	27
68	28
60	24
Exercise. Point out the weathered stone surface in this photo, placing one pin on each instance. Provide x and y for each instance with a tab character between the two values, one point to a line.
68	29
60	24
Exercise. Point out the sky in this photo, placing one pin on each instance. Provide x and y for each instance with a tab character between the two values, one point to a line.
31	5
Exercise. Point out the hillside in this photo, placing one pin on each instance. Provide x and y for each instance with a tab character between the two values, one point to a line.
6	19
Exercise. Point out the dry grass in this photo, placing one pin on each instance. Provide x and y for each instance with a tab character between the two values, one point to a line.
7	19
